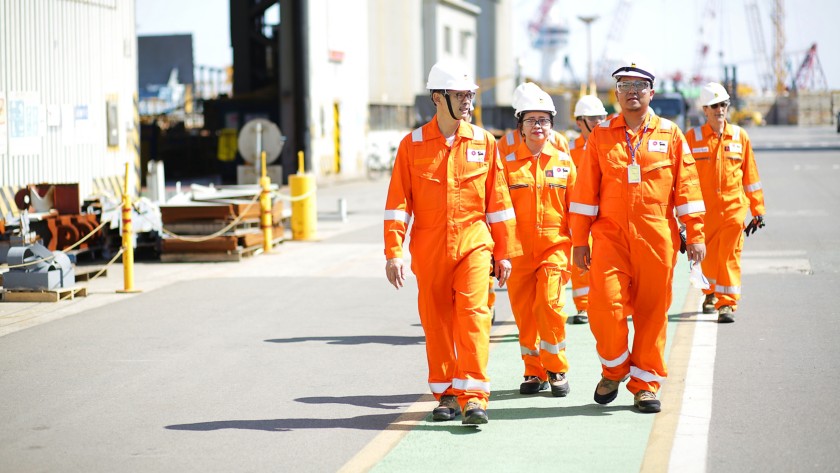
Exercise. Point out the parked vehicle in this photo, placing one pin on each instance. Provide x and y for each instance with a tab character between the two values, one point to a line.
673	106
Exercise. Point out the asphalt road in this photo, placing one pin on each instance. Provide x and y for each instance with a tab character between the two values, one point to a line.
305	359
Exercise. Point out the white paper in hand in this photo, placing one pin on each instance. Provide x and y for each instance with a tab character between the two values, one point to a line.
696	278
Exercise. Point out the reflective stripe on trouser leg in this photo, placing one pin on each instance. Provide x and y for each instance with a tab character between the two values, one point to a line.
608	307
650	297
728	284
522	292
551	322
434	303
471	327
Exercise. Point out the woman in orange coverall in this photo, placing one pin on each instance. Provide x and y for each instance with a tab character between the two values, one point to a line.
538	175
448	177
636	172
730	183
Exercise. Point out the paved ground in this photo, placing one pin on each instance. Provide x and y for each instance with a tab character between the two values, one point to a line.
306	359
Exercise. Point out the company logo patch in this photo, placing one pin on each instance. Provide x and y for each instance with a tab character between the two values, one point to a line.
733	147
658	146
476	155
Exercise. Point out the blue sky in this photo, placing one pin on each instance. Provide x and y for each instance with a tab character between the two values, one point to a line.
663	32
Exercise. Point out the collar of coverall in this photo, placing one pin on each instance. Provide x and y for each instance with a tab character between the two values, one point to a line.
464	129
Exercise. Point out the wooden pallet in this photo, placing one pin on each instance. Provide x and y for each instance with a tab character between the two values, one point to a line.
215	256
52	295
87	273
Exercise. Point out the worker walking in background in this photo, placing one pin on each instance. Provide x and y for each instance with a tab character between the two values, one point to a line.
538	176
448	177
636	171
731	185
589	113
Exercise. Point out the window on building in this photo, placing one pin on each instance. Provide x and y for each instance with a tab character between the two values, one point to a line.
466	37
447	39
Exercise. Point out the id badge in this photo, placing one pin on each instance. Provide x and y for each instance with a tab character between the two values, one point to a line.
634	174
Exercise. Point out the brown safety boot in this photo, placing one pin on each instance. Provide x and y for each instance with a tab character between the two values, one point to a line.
606	391
645	401
726	315
559	384
532	385
709	304
448	409
474	414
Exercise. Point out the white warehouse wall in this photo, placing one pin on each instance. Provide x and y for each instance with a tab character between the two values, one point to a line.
62	61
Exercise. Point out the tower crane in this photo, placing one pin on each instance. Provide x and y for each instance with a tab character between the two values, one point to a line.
810	75
764	67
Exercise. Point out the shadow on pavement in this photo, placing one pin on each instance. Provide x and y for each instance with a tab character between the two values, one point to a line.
688	317
355	340
379	402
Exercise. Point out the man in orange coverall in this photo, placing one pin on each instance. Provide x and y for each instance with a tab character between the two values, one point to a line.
448	177
589	113
538	176
730	183
636	170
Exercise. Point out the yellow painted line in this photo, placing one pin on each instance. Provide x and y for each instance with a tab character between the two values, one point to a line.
385	441
661	441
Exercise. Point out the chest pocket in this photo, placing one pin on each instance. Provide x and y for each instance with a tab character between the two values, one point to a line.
428	179
657	182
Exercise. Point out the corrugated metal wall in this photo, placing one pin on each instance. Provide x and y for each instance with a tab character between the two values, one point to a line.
68	71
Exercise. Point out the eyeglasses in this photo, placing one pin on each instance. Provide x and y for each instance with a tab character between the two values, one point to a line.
543	122
640	86
461	96
715	106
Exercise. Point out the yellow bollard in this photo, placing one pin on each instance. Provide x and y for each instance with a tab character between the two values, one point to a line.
127	246
265	207
304	212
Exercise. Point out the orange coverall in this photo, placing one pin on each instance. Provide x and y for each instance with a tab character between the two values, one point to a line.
537	280
462	214
580	280
730	183
635	240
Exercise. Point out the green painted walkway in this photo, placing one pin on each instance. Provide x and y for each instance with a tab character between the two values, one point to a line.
539	431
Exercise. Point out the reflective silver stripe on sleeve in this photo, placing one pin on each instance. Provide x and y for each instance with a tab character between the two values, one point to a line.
510	157
509	138
752	187
439	388
645	376
736	132
525	351
728	289
711	281
583	209
581	291
471	385
552	348
397	215
417	135
501	216
690	208
614	362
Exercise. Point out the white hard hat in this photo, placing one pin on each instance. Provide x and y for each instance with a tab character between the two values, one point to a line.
589	106
528	97
446	75
713	93
633	71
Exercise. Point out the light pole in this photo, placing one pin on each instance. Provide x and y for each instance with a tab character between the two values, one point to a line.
588	20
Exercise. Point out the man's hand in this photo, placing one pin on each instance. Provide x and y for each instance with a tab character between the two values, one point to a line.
395	271
501	270
756	223
696	252
581	258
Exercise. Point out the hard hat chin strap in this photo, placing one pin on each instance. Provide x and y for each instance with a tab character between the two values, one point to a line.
449	105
